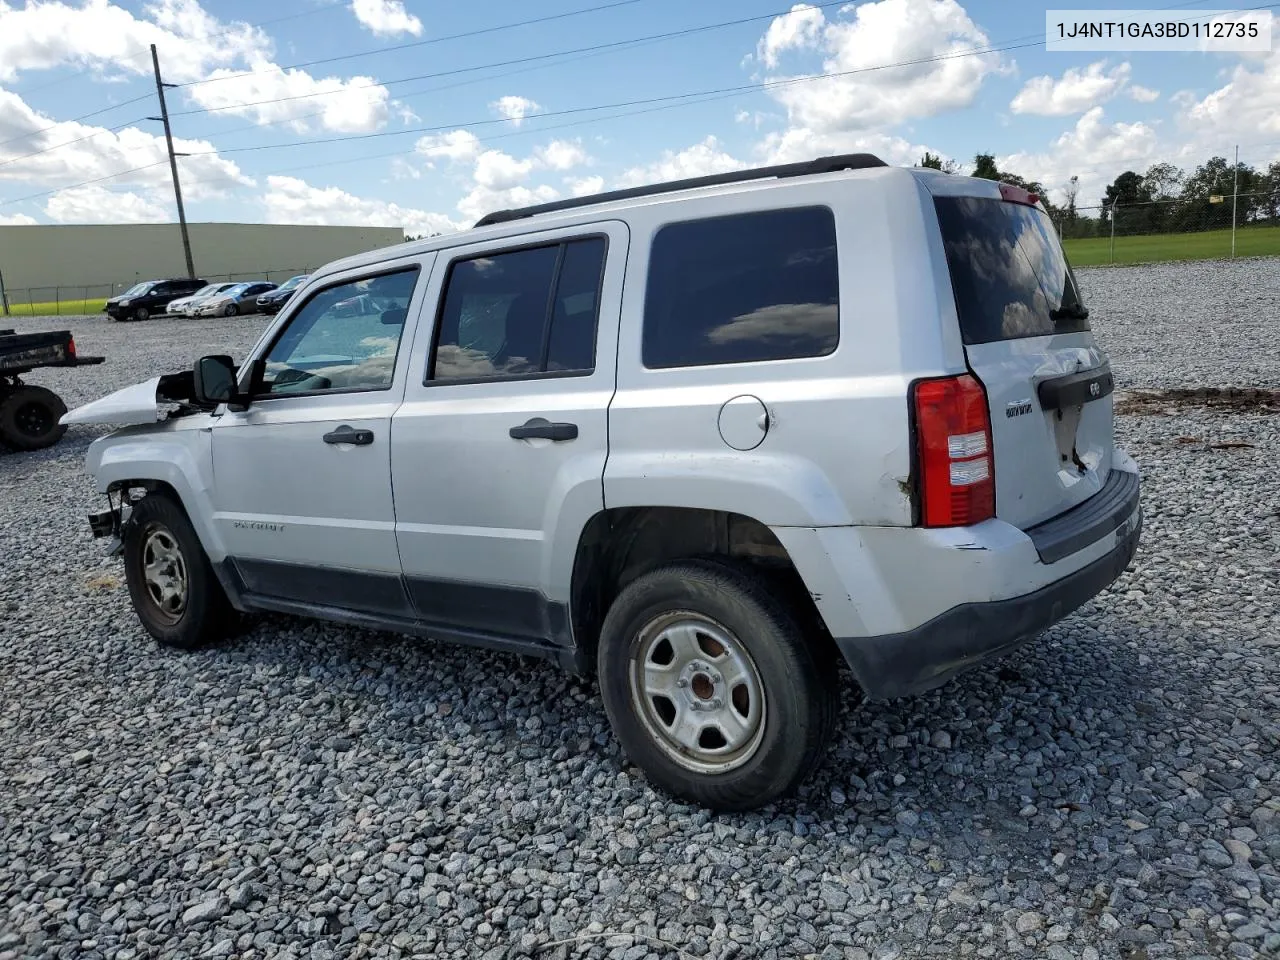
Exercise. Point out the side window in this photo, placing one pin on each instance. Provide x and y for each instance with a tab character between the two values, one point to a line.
161	289
519	314
345	337
743	288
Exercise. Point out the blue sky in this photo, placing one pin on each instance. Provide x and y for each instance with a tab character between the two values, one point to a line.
431	135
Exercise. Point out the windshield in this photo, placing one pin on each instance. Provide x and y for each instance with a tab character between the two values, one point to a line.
235	289
205	291
138	289
1010	276
290	283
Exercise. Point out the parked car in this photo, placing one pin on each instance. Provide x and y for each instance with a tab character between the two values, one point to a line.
837	411
185	306
240	298
273	300
149	298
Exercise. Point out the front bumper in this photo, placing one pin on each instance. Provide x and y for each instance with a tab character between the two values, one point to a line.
927	656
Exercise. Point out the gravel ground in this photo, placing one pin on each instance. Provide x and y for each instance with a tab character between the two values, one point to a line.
314	791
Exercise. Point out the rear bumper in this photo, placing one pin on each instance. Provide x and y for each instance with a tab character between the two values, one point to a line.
911	607
965	636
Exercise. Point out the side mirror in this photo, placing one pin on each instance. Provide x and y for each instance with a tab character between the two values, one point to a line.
215	380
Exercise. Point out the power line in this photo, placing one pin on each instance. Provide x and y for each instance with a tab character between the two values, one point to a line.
83	116
613	44
673	100
67	143
418	43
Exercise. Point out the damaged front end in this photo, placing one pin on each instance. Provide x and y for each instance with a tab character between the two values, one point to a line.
152	401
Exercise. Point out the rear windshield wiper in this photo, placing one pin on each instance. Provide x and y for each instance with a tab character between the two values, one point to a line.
1074	312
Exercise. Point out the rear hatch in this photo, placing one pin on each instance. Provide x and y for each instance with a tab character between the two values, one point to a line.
1027	339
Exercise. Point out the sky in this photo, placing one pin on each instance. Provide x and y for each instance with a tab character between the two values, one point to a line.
426	114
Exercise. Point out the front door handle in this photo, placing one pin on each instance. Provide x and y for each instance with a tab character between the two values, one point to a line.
540	428
345	434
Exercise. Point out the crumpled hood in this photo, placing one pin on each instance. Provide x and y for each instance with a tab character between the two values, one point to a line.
132	405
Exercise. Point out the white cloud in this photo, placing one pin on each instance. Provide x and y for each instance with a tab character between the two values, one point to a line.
386	18
482	200
496	170
800	28
701	159
1143	94
456	146
1074	92
353	105
100	153
94	203
928	32
1247	102
514	109
585	186
1094	150
194	45
561	155
16	220
794	145
291	200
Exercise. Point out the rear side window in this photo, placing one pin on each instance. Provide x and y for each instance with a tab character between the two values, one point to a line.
524	313
743	288
1010	276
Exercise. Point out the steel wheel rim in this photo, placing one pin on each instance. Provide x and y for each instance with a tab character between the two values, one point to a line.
33	419
164	572
698	692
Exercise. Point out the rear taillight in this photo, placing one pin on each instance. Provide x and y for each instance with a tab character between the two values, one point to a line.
71	348
953	437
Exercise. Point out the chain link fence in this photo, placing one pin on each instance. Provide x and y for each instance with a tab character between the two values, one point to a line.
78	299
1213	227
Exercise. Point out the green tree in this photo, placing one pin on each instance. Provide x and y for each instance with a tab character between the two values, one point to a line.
984	167
931	161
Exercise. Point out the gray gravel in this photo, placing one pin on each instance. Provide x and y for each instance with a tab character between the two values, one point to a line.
314	791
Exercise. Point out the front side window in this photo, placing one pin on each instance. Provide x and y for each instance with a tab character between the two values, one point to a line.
743	288
345	337
522	313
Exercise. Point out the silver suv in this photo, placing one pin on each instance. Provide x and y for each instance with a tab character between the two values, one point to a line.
705	440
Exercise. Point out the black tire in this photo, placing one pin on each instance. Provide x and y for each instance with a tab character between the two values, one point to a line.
29	418
797	709
142	314
205	615
230	310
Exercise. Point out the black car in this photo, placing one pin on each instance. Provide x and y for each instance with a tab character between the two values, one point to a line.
272	302
146	299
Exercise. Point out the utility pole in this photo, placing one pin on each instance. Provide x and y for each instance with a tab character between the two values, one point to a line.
173	162
4	297
1235	194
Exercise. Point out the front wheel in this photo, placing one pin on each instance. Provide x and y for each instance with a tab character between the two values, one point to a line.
171	582
712	687
141	314
230	310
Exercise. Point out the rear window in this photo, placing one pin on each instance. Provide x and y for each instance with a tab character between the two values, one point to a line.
1010	276
743	288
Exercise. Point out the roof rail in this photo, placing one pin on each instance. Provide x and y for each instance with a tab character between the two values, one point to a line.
849	161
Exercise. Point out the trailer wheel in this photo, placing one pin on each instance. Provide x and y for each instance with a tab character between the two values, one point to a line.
29	418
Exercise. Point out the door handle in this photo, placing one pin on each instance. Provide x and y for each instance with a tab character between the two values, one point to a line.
540	428
344	434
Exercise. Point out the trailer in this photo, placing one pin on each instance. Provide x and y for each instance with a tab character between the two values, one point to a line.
29	414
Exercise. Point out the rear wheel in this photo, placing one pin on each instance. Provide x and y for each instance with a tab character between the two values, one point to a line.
171	582
29	418
712	687
142	313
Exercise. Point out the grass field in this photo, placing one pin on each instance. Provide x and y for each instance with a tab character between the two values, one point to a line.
1209	245
57	308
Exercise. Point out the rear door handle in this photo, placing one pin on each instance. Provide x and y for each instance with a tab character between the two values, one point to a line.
345	434
540	428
